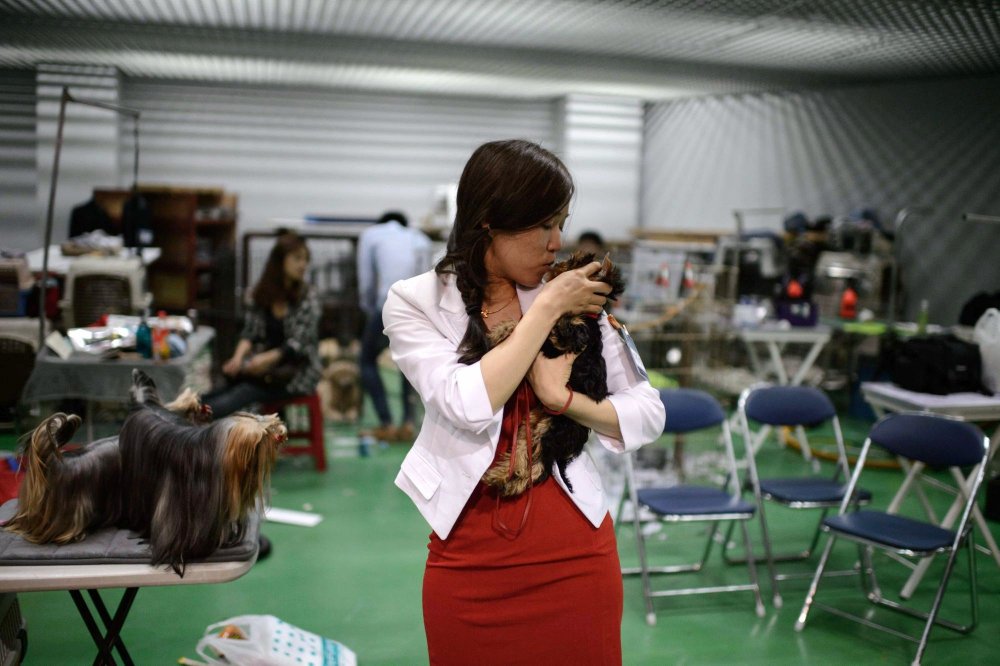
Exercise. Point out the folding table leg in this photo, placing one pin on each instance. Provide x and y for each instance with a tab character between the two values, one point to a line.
113	625
949	519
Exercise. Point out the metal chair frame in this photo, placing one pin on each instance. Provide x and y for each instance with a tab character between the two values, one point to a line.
963	535
314	435
17	358
753	482
729	487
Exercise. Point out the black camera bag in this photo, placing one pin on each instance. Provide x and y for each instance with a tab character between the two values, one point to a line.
938	364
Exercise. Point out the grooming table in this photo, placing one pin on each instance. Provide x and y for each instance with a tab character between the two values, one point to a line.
109	558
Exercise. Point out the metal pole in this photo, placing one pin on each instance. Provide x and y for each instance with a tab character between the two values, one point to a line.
63	100
135	161
734	277
897	243
975	217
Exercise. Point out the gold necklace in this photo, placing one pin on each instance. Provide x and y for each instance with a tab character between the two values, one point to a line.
486	313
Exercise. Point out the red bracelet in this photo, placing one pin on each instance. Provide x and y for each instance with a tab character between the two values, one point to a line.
564	407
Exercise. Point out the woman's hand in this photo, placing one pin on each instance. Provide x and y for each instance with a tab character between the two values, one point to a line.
548	378
260	364
573	292
232	367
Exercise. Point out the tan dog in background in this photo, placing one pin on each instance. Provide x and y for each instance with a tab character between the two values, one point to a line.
340	387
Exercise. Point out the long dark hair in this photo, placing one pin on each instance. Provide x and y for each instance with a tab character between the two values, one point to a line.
507	186
271	288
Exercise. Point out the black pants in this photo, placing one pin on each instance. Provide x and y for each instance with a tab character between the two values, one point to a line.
373	343
236	396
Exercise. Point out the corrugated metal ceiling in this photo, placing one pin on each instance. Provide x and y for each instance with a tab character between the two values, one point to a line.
648	48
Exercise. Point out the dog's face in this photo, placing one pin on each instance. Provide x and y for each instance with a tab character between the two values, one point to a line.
329	349
343	378
609	273
571	333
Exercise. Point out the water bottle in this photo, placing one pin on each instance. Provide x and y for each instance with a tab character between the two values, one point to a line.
161	349
922	318
144	336
365	444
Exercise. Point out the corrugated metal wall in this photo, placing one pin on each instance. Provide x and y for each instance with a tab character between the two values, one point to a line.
928	144
288	152
601	141
18	212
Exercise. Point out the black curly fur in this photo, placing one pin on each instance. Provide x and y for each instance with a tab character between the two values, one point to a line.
580	334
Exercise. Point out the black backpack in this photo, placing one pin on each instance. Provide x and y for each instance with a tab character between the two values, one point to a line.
938	364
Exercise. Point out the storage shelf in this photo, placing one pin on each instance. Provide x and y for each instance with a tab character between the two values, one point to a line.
185	227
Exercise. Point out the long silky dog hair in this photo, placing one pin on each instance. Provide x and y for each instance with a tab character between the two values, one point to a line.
558	440
186	487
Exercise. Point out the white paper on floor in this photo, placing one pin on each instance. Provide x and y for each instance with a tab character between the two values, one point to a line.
290	517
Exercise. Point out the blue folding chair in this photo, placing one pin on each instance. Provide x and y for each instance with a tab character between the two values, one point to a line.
800	407
689	410
934	440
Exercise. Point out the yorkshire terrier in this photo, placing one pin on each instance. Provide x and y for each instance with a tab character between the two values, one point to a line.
184	486
340	387
558	440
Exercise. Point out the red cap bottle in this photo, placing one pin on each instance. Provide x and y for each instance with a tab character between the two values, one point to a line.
849	303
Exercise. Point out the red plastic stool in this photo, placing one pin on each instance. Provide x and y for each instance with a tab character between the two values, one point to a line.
314	434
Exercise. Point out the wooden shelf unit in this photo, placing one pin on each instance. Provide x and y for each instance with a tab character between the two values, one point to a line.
195	229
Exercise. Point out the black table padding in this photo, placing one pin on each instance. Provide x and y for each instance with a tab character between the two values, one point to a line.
106	546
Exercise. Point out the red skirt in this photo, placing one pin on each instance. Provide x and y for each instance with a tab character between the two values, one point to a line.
552	595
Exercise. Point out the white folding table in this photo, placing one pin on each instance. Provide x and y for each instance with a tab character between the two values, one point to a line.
109	558
91	577
776	337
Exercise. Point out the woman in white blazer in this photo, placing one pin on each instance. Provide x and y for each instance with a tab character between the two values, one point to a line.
534	578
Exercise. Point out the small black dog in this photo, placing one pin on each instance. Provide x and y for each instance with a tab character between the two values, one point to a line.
558	440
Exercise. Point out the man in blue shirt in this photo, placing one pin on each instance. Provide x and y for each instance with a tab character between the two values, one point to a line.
387	252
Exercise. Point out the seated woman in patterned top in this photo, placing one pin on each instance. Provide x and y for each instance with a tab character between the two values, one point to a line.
278	352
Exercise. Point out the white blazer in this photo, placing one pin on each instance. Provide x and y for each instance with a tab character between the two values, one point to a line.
425	321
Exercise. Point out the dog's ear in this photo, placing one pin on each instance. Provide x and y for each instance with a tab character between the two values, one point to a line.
610	275
143	389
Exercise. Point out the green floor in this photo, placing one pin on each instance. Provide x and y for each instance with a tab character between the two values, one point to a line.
356	577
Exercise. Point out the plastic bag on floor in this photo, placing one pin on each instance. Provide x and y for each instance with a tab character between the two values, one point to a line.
264	640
